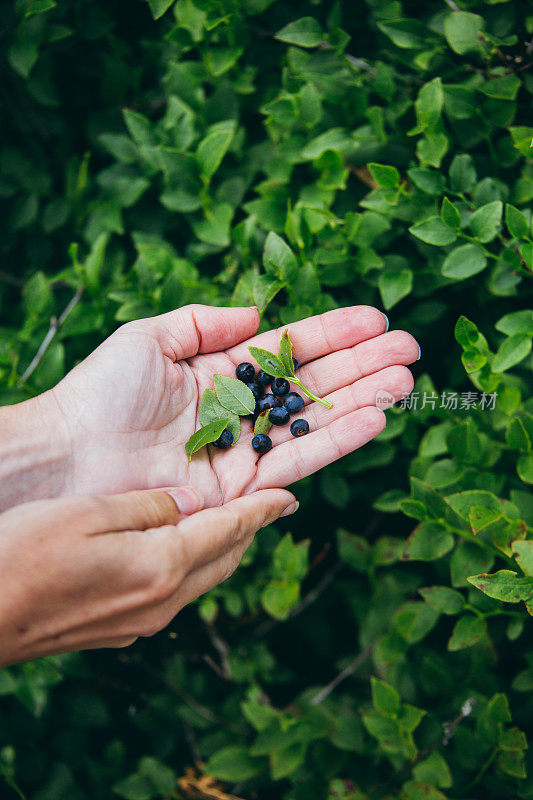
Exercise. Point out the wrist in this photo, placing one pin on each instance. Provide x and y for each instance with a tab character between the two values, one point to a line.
35	452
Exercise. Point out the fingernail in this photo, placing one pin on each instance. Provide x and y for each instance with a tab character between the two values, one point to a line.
291	509
419	353
187	499
387	321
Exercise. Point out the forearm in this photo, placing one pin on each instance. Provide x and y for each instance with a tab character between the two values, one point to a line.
34	451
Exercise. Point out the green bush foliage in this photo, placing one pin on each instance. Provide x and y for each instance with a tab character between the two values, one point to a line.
297	156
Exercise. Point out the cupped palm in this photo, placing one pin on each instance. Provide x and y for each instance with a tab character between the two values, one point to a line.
129	408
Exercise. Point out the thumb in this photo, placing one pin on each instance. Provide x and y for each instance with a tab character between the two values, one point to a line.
213	532
141	510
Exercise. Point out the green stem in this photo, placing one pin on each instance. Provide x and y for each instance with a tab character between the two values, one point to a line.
309	394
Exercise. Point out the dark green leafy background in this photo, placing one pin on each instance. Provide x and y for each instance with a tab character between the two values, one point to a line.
295	156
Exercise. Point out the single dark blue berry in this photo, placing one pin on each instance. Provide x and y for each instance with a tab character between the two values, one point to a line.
268	401
279	416
299	427
245	372
264	378
280	387
225	440
262	443
257	389
296	363
293	402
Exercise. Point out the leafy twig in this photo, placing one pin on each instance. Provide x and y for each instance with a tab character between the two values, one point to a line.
448	728
55	324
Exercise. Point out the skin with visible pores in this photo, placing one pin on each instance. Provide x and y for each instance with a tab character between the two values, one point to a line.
120	419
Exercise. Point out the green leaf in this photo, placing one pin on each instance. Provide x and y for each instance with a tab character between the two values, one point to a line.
285	354
428	105
158	7
408	34
464	261
467	558
467	631
516	322
524	556
485	221
267	361
212	411
427	542
449	214
135	787
354	551
524	467
466	332
511	351
433	231
517	436
233	763
394	286
304	32
279	255
385	176
443	599
385	698
206	435
262	423
234	395
279	597
462	30
504	88
264	291
462	173
504	585
214	146
290	559
516	222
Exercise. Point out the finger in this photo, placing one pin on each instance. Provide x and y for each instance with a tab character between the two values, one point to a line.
316	336
366	358
201	329
210	534
139	511
381	389
294	460
208	576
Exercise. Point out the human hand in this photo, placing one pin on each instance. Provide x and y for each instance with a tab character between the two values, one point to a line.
86	572
123	415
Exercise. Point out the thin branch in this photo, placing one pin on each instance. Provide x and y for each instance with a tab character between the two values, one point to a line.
452	5
305	602
222	649
352	667
5	277
183	694
55	324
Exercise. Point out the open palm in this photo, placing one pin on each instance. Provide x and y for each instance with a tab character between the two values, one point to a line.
131	405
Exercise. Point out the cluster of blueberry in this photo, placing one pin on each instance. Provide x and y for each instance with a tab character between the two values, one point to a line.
280	402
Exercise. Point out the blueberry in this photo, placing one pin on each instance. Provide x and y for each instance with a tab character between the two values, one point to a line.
262	443
245	372
293	402
296	363
225	440
268	401
257	389
299	427
264	378
279	416
280	387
